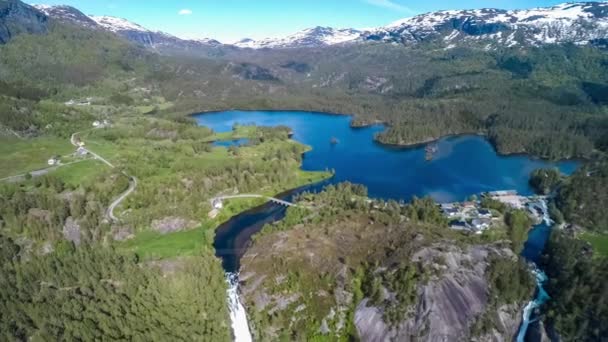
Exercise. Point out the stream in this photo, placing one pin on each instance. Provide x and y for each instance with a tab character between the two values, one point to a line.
463	166
533	249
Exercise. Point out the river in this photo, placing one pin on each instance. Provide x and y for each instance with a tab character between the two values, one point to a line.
462	166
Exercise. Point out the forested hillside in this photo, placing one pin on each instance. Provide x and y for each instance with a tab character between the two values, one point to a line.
584	197
578	308
379	271
98	293
71	272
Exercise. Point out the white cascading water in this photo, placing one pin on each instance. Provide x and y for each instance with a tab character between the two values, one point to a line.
541	278
541	298
238	316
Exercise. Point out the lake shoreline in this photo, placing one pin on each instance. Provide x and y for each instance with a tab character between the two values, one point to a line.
408	145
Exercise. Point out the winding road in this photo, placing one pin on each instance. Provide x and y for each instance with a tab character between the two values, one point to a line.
132	180
110	212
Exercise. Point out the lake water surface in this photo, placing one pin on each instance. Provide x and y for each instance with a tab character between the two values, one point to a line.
463	166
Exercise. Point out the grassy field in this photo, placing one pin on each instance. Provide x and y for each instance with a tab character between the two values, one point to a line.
598	241
21	156
150	245
240	133
82	172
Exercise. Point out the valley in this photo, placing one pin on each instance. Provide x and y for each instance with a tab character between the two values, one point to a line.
291	188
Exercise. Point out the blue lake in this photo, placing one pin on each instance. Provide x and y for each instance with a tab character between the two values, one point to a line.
463	165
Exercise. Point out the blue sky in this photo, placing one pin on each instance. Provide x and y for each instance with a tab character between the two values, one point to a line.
230	20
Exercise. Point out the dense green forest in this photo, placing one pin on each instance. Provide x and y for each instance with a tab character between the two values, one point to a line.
351	245
578	308
584	197
67	274
544	181
98	293
544	101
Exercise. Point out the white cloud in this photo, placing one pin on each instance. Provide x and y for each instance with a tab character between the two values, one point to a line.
389	4
185	11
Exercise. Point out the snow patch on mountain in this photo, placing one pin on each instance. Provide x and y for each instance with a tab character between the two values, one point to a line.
115	24
312	37
578	23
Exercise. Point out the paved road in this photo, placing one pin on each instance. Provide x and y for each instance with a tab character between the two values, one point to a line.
132	180
38	173
97	156
110	212
276	200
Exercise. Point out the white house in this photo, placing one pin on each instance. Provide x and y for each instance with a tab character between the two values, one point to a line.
481	224
96	123
81	151
53	161
217	204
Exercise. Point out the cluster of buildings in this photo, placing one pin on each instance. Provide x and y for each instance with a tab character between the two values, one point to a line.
468	216
536	206
101	124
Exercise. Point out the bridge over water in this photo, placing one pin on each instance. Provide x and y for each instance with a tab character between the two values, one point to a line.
271	199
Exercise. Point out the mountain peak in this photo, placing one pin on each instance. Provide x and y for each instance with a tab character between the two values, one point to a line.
66	14
116	24
578	23
318	36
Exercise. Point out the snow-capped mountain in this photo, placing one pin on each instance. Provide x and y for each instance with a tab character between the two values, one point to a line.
67	14
579	23
312	37
136	33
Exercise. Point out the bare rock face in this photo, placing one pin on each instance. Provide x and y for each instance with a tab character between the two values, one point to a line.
122	233
40	215
173	224
71	231
447	305
17	18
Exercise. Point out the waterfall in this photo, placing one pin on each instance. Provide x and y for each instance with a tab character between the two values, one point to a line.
541	295
546	218
238	316
540	299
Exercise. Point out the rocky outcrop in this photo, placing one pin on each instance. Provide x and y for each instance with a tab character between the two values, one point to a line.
448	304
173	224
18	18
71	231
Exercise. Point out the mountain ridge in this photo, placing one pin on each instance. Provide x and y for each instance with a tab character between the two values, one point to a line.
579	23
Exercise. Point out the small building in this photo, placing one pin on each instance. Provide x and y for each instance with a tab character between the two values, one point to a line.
469	205
459	225
481	224
53	161
81	143
217	204
96	123
485	213
213	213
502	193
451	212
81	151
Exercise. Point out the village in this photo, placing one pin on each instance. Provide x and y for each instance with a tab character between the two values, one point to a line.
471	216
81	150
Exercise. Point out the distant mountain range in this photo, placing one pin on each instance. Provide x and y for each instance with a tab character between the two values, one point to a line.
155	40
312	37
579	23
